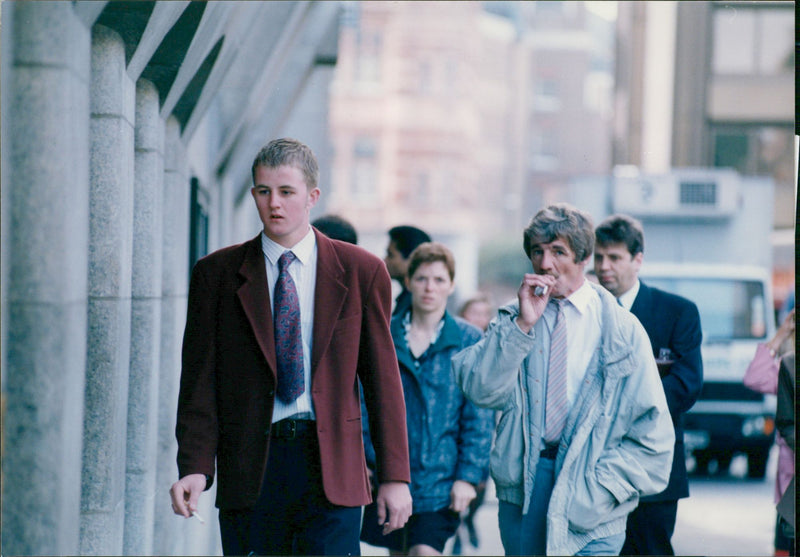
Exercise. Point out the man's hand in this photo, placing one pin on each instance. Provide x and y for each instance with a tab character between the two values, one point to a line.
461	495
186	492
394	505
531	306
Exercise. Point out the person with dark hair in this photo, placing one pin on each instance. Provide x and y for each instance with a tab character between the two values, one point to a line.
336	228
279	330
449	437
402	241
673	327
584	430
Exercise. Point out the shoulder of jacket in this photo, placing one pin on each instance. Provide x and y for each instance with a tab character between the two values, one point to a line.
510	308
353	254
225	255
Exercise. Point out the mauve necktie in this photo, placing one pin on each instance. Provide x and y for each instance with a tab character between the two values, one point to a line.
556	407
288	339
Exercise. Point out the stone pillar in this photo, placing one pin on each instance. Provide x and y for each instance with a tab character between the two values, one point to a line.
140	492
46	190
168	534
109	316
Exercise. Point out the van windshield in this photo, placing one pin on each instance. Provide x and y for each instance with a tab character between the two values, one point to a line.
729	309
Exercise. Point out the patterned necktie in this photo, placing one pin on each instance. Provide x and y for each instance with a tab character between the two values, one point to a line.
556	408
288	339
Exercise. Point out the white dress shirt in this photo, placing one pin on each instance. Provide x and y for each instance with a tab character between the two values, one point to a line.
582	315
304	274
627	299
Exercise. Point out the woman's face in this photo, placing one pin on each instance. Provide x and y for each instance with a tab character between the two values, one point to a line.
430	286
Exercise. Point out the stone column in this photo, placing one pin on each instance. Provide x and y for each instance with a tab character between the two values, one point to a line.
109	316
140	492
168	535
45	196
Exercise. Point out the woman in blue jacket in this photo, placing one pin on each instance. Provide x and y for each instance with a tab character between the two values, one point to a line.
449	437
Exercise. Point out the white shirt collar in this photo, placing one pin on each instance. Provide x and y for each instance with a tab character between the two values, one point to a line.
628	297
303	250
582	297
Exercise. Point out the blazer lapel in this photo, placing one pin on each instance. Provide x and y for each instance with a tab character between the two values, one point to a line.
329	296
255	299
641	305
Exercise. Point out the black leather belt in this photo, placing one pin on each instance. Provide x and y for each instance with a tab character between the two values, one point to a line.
293	429
550	452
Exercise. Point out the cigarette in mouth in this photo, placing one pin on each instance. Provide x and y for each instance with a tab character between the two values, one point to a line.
540	290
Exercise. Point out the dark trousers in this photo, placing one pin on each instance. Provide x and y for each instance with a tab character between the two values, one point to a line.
650	528
292	515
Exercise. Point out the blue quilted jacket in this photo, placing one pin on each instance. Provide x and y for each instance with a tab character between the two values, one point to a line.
449	437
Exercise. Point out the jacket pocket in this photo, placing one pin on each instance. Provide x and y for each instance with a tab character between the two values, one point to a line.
591	505
507	453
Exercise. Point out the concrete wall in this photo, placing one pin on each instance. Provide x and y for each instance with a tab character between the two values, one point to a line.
110	110
45	253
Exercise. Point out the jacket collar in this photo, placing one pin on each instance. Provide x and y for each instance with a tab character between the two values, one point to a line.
614	352
255	299
329	296
450	337
615	348
642	300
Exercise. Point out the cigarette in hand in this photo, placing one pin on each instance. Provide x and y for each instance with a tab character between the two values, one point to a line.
540	290
198	517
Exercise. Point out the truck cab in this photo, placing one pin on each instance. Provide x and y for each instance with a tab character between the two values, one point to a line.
735	314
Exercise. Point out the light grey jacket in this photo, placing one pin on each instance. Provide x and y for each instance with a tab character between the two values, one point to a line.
617	444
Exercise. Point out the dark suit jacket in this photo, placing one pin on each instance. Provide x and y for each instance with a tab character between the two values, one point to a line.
228	375
785	422
673	322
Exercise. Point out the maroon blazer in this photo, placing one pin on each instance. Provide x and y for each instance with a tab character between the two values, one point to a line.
228	375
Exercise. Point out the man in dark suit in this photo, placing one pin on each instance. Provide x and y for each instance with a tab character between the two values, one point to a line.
673	325
281	418
402	241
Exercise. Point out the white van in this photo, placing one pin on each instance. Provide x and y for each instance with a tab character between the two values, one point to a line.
735	304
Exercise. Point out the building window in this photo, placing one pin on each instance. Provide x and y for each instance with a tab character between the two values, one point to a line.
753	149
198	222
422	190
753	40
365	170
450	76
544	151
425	84
368	57
546	96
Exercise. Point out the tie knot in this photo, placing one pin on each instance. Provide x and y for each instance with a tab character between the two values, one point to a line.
285	260
559	303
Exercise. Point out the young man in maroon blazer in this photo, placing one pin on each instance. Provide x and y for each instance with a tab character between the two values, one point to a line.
287	444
